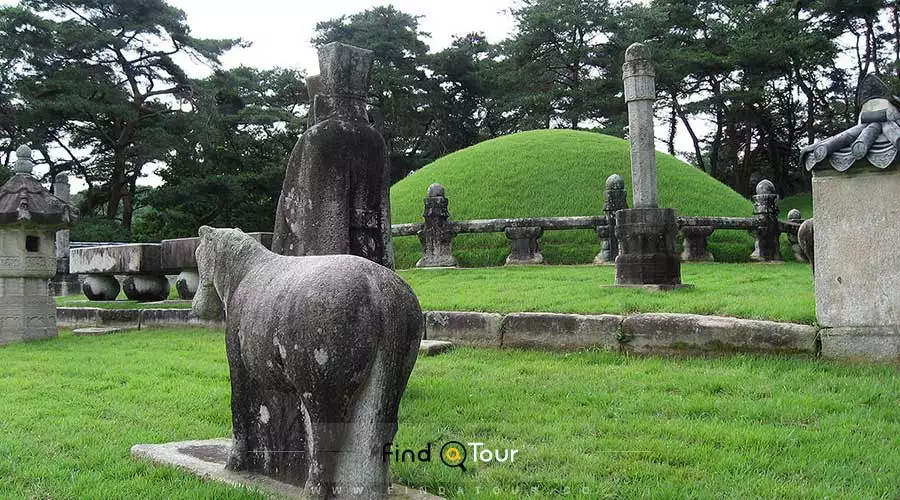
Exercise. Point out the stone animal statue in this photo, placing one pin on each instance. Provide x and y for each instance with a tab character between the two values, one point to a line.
338	333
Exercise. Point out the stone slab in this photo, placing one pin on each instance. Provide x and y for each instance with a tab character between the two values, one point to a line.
206	458
856	250
178	254
96	331
134	258
69	317
560	331
664	332
175	317
464	328
861	343
434	347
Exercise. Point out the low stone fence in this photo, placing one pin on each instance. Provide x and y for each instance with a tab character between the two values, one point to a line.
145	265
655	333
437	231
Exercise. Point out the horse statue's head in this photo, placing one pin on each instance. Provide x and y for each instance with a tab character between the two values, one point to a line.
207	301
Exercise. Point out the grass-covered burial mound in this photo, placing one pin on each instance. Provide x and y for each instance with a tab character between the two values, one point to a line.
545	173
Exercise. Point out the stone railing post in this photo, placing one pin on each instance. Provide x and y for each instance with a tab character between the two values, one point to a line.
437	235
523	245
616	199
805	240
765	211
795	216
696	243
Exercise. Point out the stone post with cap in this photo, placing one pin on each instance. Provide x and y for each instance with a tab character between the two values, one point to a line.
615	200
437	235
768	230
29	218
646	233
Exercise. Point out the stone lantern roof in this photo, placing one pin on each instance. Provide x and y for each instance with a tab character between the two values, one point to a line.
24	201
875	138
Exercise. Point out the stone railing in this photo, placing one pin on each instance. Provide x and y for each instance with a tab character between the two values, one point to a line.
437	231
145	265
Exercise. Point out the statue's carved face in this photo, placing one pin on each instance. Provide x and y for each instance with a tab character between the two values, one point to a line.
207	302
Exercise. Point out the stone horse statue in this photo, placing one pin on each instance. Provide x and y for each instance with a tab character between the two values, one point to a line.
338	333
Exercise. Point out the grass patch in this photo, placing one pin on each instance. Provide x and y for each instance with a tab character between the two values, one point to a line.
777	292
587	424
546	173
802	202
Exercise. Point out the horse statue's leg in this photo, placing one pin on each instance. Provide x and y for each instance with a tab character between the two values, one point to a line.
243	389
328	419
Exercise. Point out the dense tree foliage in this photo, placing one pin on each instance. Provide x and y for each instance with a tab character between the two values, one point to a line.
96	89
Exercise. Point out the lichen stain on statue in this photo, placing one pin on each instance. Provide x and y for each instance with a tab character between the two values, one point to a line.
337	333
335	197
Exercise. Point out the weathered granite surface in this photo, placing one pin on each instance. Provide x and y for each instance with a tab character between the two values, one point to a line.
335	195
339	334
667	332
560	331
133	258
464	328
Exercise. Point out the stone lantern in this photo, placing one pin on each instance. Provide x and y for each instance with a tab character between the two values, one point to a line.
856	182
29	219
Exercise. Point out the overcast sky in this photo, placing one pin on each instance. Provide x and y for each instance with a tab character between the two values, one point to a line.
280	30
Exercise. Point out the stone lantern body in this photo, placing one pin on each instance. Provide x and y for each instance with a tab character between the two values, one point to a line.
29	219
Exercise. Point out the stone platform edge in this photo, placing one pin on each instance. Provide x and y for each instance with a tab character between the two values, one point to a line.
644	333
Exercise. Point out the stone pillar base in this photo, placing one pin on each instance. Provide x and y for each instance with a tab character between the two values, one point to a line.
647	247
186	283
146	288
100	287
863	343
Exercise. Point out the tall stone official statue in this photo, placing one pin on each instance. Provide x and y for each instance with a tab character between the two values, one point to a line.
335	195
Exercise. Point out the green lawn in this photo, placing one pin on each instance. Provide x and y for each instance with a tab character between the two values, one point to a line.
778	292
545	173
802	202
590	424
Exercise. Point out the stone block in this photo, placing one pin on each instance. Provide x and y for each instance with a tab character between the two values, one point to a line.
856	250
135	258
866	343
27	318
68	317
647	247
464	328
662	333
120	317
178	254
175	317
560	331
434	347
